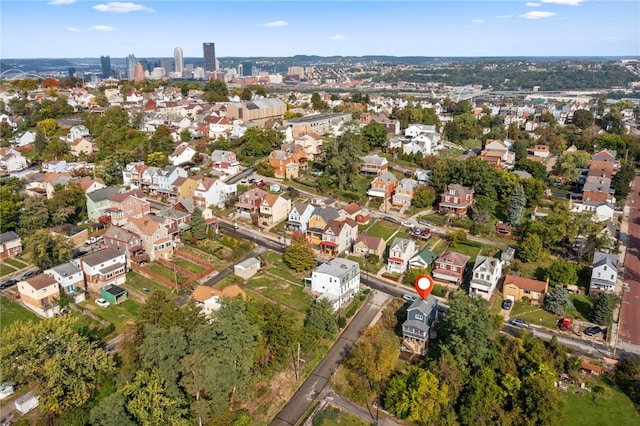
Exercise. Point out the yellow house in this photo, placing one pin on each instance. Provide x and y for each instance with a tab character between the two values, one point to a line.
184	187
516	288
81	146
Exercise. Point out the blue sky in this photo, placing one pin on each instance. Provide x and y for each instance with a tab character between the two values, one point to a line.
83	28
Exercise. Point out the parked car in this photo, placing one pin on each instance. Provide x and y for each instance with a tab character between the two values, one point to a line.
102	302
507	304
65	311
592	331
408	297
90	241
31	274
390	219
8	283
424	222
407	224
518	322
245	180
261	185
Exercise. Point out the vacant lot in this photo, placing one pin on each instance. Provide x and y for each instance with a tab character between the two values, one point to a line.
118	315
12	311
614	408
382	229
138	282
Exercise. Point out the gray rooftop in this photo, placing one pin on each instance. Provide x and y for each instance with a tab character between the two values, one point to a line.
337	267
8	236
100	256
66	269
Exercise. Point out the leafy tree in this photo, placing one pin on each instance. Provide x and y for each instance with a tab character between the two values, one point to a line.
11	203
258	142
215	91
148	402
602	312
318	103
416	396
111	411
278	333
424	196
161	141
628	378
466	329
621	182
299	255
161	351
41	142
51	356
342	156
519	147
374	355
482	209
456	237
157	159
570	163
48	250
583	118
68	204
540	399
530	248
374	135
562	273
557	301
533	189
537	170
198	224
48	126
482	400
246	94
320	322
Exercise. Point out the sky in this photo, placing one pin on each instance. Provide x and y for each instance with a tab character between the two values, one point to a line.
85	28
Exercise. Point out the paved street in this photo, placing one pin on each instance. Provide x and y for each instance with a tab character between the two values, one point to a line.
629	331
313	387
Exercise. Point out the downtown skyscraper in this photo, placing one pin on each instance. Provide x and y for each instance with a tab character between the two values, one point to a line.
105	63
179	60
209	53
131	67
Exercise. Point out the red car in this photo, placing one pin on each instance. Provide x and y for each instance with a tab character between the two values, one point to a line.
262	184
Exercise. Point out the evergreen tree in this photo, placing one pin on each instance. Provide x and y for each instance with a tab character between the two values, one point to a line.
198	225
557	301
602	312
516	205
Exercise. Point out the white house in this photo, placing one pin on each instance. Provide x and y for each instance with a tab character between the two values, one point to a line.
416	129
486	273
182	154
400	252
299	215
213	192
224	163
11	160
604	273
25	139
70	278
337	280
77	132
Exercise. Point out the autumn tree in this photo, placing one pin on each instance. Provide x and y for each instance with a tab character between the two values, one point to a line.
557	301
416	396
299	255
42	353
374	355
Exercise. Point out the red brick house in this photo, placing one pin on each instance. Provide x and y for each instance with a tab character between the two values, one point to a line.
456	199
450	267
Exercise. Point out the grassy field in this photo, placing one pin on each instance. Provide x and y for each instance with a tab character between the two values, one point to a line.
15	262
165	272
11	312
534	315
6	269
138	282
189	266
583	306
215	261
613	409
118	315
290	295
470	251
382	229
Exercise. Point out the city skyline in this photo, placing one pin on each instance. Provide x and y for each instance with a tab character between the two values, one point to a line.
82	28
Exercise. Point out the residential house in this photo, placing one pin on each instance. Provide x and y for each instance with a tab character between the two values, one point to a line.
300	155
11	161
404	192
400	252
608	156
122	240
517	288
422	176
126	205
213	192
184	187
99	201
154	236
318	221
423	144
89	184
224	163
162	180
450	267
24	139
77	132
44	184
39	293
176	221
71	280
299	216
208	298
486	274
103	267
374	165
414	130
337	281
75	234
81	146
273	209
319	124
495	148
456	199
368	245
10	245
249	203
383	186
132	174
423	259
311	143
604	274
392	126
541	151
283	164
416	330
182	154
353	210
338	236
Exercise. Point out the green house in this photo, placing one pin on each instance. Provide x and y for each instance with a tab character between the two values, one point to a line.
113	294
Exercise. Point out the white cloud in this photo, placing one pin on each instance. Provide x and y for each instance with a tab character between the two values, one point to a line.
275	24
73	29
565	2
537	14
504	16
337	37
101	28
59	2
532	4
478	21
121	7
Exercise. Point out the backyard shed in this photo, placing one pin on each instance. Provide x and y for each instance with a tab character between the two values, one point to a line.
247	268
26	402
113	294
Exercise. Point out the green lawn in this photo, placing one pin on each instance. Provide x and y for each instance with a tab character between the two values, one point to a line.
614	409
189	266
583	306
138	282
11	312
470	251
165	272
286	294
382	229
6	269
118	315
534	315
204	255
15	262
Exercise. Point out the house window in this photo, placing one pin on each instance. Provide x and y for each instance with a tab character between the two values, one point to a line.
526	292
419	317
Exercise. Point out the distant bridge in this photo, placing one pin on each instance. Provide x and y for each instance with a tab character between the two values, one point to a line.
462	93
16	74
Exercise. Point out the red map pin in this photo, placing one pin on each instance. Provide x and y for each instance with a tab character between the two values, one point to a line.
424	285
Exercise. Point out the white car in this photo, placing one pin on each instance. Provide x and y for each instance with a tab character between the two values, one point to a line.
90	241
407	224
102	302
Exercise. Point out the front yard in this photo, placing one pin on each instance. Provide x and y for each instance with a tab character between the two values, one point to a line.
611	408
382	229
